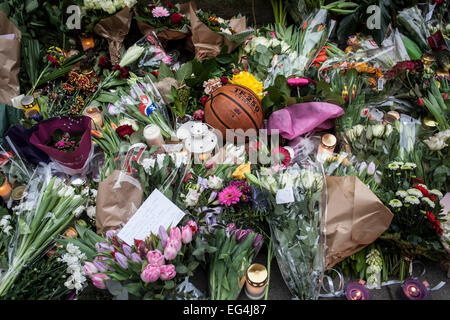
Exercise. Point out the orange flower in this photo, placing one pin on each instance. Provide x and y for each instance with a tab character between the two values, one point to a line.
113	126
97	134
319	28
305	25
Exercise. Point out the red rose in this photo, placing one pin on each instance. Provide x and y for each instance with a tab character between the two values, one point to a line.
420	102
224	80
422	189
124	71
155	73
125	130
176	18
203	101
199	115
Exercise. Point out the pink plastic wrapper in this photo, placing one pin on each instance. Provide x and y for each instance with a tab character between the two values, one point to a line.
74	159
301	118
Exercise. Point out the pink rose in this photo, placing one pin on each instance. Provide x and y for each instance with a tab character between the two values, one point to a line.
98	279
170	252
89	268
167	272
186	234
150	273
155	258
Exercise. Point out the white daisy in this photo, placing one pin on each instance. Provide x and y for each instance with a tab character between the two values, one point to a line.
401	193
415	192
412	200
428	201
395	203
436	193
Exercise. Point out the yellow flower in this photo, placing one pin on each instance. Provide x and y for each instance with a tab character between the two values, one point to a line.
247	80
240	171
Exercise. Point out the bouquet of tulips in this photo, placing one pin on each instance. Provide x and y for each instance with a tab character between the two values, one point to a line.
46	212
236	248
149	269
297	224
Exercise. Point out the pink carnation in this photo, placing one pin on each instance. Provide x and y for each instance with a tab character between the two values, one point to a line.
160	12
230	195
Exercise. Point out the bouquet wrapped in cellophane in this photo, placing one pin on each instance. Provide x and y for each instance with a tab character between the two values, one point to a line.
297	224
48	209
144	103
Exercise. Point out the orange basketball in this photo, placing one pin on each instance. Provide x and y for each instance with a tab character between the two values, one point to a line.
234	107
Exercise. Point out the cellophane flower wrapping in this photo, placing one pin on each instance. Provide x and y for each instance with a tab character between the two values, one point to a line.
297	225
72	162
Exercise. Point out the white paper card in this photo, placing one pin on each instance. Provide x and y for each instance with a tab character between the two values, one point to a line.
156	211
285	196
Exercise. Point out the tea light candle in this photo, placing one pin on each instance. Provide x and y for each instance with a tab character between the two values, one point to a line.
357	291
256	281
95	115
326	146
414	289
5	189
87	42
391	117
153	137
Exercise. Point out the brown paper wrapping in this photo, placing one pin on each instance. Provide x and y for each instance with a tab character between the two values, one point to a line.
117	201
208	43
9	61
114	29
164	35
355	218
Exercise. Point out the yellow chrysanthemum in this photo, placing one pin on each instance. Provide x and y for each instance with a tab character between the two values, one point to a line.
246	79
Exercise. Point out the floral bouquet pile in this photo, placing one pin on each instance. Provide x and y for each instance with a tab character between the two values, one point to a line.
297	225
149	269
236	248
166	19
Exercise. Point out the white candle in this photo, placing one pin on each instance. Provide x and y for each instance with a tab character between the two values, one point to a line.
153	137
255	286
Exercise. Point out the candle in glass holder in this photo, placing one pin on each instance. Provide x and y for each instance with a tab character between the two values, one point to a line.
414	289
357	291
153	137
256	281
326	146
96	116
391	117
87	42
5	189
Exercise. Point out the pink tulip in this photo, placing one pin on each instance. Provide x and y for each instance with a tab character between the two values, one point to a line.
186	234
150	273
167	272
89	268
175	233
98	279
296	82
155	258
176	243
193	226
170	252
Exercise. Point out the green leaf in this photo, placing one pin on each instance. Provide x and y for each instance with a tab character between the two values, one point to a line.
5	8
184	72
193	265
170	284
134	288
347	26
31	5
181	269
114	287
164	72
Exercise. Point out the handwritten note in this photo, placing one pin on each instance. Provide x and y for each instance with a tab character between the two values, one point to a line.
156	211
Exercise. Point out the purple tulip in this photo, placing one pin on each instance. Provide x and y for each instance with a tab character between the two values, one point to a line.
203	183
362	166
103	246
231	228
242	234
126	250
121	260
110	234
162	234
257	243
212	196
371	169
101	266
135	257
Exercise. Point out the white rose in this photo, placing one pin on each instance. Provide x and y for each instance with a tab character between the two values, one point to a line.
443	135
215	182
192	197
435	144
358	130
130	122
91	212
274	43
378	130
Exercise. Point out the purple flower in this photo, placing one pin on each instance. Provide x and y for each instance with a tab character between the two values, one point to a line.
212	196
103	246
135	257
101	266
163	236
121	260
89	268
241	234
111	233
150	273
257	243
231	228
126	250
203	183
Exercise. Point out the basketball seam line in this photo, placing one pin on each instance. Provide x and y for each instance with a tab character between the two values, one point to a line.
254	123
215	114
